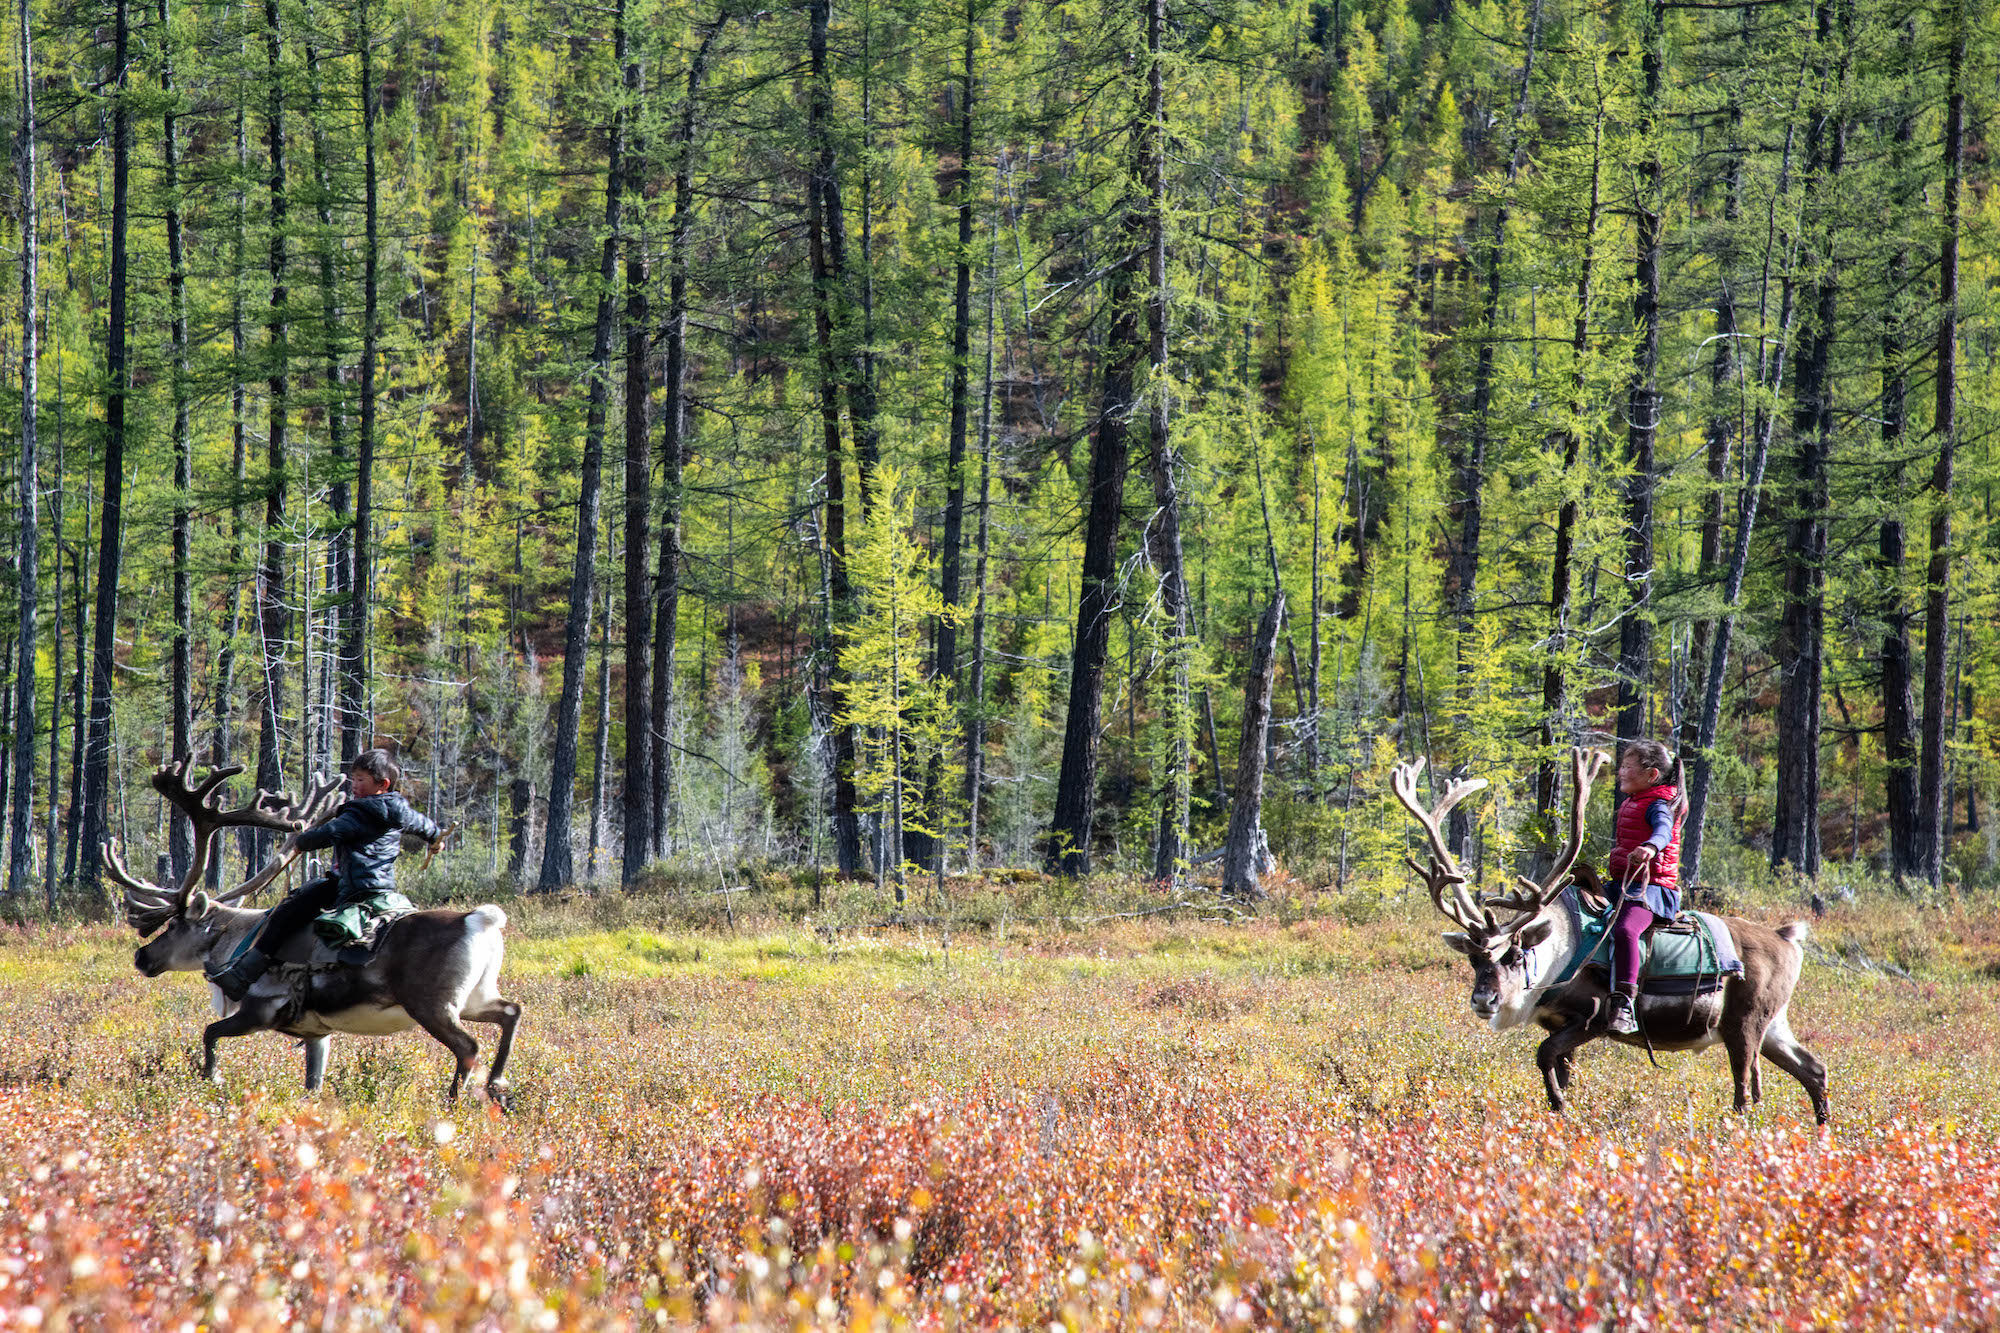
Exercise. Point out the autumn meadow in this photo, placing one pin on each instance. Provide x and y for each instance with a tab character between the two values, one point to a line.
733	1111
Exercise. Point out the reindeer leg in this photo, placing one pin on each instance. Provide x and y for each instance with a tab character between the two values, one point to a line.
1741	1042
508	1015
315	1062
1554	1057
464	1047
254	1015
1782	1049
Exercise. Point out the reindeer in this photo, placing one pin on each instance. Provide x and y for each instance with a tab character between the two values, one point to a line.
429	969
1748	1015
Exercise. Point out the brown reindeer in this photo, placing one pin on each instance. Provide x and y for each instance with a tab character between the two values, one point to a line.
1538	931
429	969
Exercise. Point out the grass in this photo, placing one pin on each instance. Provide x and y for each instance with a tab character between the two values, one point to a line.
1188	1088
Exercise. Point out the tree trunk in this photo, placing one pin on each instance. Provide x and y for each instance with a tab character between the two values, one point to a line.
327	734
1170	847
180	671
1933	811
824	224
1635	631
601	737
975	694
111	537
1068	848
1720	431
274	617
557	857
1899	755
21	822
357	726
1242	873
945	664
666	576
637	801
1795	834
520	812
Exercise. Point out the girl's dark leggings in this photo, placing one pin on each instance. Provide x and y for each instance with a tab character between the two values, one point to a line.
1631	922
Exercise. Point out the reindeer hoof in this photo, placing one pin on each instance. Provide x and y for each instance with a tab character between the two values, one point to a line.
500	1095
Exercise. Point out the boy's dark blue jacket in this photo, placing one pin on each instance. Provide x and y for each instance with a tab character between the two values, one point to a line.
367	837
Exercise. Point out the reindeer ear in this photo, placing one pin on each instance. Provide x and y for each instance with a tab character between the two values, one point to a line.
1459	940
1534	932
199	906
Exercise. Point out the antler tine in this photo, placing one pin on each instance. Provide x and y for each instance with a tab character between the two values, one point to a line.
1444	871
147	905
317	805
1585	765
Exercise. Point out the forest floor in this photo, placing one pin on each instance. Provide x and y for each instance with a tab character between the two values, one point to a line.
1039	1118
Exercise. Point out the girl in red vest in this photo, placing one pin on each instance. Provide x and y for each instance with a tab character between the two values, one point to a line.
1645	863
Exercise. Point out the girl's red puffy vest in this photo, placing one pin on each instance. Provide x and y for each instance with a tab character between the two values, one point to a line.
1632	829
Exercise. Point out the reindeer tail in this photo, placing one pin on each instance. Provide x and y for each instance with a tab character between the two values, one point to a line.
486	917
1795	932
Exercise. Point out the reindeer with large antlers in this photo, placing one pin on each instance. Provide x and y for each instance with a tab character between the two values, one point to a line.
1517	939
434	970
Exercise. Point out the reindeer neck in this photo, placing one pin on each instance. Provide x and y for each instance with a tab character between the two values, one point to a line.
1552	958
236	923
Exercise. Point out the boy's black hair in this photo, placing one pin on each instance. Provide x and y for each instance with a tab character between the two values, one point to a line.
377	764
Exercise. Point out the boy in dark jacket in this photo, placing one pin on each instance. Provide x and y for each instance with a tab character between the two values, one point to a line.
366	835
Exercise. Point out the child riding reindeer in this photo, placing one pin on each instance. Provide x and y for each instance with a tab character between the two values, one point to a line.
366	836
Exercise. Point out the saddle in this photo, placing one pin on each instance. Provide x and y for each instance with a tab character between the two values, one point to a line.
308	948
1693	954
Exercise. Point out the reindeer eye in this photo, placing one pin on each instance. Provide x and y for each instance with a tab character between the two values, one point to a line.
1512	958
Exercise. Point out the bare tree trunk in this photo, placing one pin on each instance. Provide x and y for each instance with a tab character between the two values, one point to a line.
945	663
111	537
520	819
21	822
557	858
274	618
1795	834
666	575
180	673
1170	848
1933	811
1720	432
1068	847
1635	631
1899	755
975	694
637	801
824	225
601	737
327	732
1242	873
357	725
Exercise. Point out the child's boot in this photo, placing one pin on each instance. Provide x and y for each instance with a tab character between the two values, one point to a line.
1623	1018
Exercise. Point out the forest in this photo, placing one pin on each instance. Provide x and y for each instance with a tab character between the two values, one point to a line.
909	438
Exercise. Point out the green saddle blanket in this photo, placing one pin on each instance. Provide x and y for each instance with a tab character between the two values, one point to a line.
355	921
1706	952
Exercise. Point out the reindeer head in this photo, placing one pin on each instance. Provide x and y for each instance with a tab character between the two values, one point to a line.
189	915
1496	945
183	946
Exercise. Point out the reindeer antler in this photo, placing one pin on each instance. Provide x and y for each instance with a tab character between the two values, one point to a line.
148	905
1443	872
321	798
1535	895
